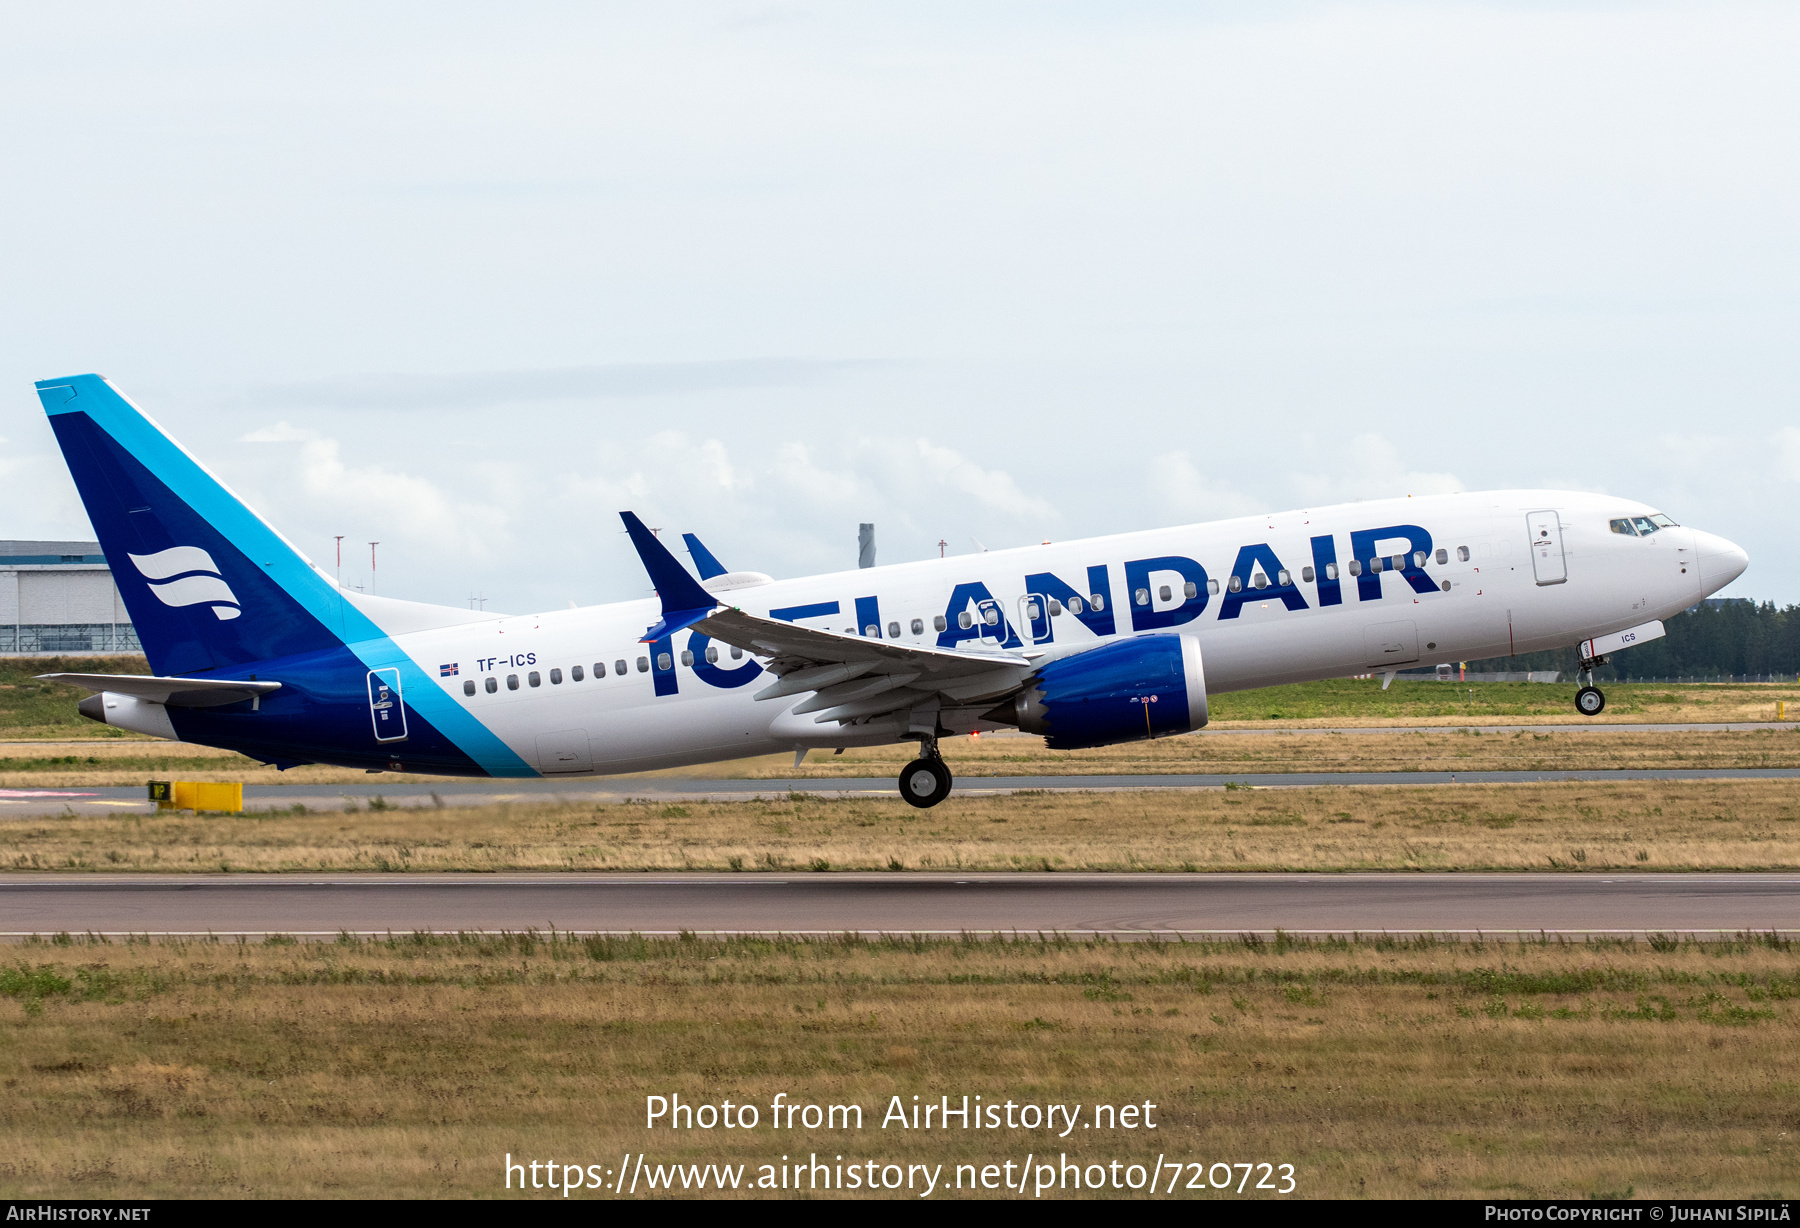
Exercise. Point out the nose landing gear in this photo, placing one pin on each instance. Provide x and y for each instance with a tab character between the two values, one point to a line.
926	780
1589	700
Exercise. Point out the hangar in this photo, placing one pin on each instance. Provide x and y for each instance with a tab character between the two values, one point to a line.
58	598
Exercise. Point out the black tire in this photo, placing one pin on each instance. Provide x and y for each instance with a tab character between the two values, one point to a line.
925	782
1589	701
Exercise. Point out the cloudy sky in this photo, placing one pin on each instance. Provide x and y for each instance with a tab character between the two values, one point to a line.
468	279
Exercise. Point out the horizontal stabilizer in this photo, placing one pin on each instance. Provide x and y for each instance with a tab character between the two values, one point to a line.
172	692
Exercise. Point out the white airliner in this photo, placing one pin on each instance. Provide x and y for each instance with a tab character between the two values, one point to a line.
1092	642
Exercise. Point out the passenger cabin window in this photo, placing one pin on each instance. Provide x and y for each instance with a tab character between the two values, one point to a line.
712	654
1190	590
1284	577
643	664
1418	558
1259	581
575	674
663	662
556	677
1331	571
469	687
1163	592
512	682
618	667
1355	568
1306	574
872	631
737	654
1142	596
687	658
1443	555
964	620
492	685
534	678
1055	607
991	617
1462	554
937	622
1236	584
1097	600
1075	605
1212	586
918	626
893	631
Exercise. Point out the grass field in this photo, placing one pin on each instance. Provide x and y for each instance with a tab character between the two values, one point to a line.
32	709
409	1068
1630	825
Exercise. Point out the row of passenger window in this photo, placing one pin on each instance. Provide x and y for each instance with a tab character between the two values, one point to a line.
1285	578
990	615
578	673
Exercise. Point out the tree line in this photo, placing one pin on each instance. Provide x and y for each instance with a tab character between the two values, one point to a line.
1725	637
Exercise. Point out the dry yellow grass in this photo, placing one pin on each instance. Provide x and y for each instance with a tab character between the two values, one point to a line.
1641	825
1211	753
131	763
410	1068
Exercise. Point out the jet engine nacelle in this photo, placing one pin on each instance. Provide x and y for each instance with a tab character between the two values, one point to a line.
1128	691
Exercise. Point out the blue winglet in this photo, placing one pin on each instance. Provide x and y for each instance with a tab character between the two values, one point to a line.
684	602
703	558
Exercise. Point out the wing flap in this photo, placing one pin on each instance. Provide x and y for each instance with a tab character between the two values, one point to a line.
859	677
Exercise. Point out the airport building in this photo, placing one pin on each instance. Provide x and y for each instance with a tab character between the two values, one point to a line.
58	598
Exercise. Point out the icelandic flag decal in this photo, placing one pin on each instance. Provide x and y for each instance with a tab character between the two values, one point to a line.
447	671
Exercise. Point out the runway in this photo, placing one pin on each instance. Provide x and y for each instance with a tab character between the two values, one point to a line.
26	803
1122	906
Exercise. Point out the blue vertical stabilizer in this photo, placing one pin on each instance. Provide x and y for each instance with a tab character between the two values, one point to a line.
212	588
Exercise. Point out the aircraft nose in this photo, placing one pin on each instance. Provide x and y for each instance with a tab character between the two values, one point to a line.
1721	561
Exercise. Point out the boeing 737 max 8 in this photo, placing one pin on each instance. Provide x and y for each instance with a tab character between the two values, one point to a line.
1092	642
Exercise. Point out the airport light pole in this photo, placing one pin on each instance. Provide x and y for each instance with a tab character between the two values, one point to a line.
372	546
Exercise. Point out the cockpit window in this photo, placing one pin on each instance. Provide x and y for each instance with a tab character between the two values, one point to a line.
1645	525
1663	522
1624	526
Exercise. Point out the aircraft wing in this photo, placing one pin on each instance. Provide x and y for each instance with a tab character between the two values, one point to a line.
858	677
853	677
175	692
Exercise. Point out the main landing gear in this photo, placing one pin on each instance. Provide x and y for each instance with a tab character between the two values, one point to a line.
1589	700
926	780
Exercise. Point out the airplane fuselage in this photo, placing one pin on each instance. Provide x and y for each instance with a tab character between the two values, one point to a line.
1290	597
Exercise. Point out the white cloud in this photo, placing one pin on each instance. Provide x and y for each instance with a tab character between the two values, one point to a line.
1189	495
1370	467
413	505
993	488
799	474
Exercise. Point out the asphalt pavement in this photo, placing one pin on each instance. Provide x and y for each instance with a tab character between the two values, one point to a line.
1120	905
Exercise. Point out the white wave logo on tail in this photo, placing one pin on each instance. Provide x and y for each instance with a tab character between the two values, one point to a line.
187	575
